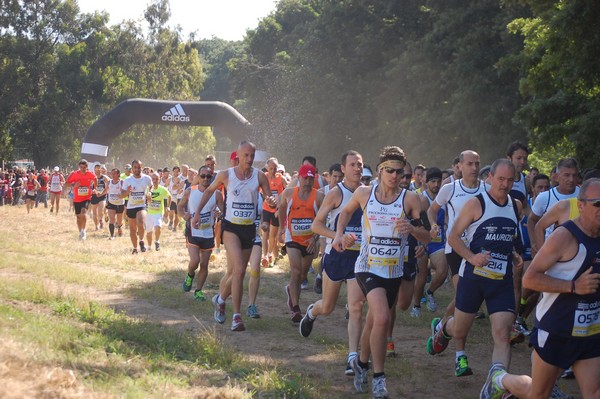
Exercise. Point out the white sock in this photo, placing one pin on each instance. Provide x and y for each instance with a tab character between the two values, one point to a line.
220	300
498	379
310	314
352	355
460	353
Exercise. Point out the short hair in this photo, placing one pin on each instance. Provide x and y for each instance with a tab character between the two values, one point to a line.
501	161
569	163
336	167
347	154
419	166
166	170
392	153
591	174
541	176
154	174
136	161
204	167
115	170
83	161
210	158
272	159
534	168
248	143
176	168
310	159
515	146
584	187
455	161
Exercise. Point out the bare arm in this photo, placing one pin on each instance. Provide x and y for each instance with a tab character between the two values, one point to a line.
331	200
358	199
282	213
558	214
221	178
469	213
532	221
560	246
182	205
414	203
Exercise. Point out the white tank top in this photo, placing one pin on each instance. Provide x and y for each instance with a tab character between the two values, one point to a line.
454	195
55	184
351	227
382	249
207	219
242	198
114	193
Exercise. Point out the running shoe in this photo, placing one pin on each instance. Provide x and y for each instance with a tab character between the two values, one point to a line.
480	315
111	238
306	324
106	218
120	232
490	389
289	298
51	209
101	224
212	257
219	310
568	374
462	368
415	312
237	324
170	225
438	341
318	287
558	394
516	336
431	303
142	246
521	325
135	251
264	262
349	372
296	314
157	246
390	350
187	283
252	312
304	284
199	296
379	390
361	379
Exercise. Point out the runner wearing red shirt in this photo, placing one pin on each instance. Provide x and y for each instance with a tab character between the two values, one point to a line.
83	182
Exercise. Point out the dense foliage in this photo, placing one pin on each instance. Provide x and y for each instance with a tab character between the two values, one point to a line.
314	77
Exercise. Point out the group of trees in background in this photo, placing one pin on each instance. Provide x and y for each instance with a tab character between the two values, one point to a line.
314	77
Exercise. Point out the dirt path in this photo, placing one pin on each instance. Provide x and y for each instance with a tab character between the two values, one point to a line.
151	291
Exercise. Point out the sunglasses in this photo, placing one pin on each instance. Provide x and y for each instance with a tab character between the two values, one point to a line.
205	176
392	170
594	201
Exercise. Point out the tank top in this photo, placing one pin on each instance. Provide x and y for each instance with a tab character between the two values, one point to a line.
102	183
572	315
382	248
494	232
56	183
30	187
354	225
458	197
440	221
242	198
276	185
207	219
519	189
524	235
114	193
300	215
547	200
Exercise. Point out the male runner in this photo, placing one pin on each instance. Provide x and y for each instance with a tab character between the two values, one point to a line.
156	208
82	181
115	203
57	180
277	183
99	197
136	187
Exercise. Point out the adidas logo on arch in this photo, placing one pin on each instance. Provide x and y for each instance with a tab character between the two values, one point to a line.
176	114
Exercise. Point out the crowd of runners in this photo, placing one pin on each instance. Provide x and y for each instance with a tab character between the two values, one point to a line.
393	234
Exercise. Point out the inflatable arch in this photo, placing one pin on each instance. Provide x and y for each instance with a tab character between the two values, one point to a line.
158	112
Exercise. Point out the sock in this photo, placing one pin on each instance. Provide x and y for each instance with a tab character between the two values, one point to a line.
364	366
522	307
379	375
220	300
458	354
438	327
444	332
310	314
428	292
111	228
498	379
158	242
236	314
352	355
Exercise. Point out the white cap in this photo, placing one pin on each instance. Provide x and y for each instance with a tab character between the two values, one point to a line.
56	168
281	168
367	173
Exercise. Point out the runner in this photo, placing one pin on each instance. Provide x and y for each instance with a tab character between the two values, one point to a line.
175	184
379	267
32	187
99	197
567	271
338	267
242	183
490	221
454	196
42	193
115	204
270	246
57	180
82	181
298	207
201	240
157	196
255	258
136	187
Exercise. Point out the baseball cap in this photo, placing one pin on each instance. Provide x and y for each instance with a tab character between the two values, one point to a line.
128	166
233	156
307	171
433	173
56	168
281	168
367	172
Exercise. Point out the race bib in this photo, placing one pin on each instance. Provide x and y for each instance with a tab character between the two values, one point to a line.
495	269
357	231
114	198
438	238
301	227
204	222
30	192
83	191
587	319
384	252
137	198
155	205
242	213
